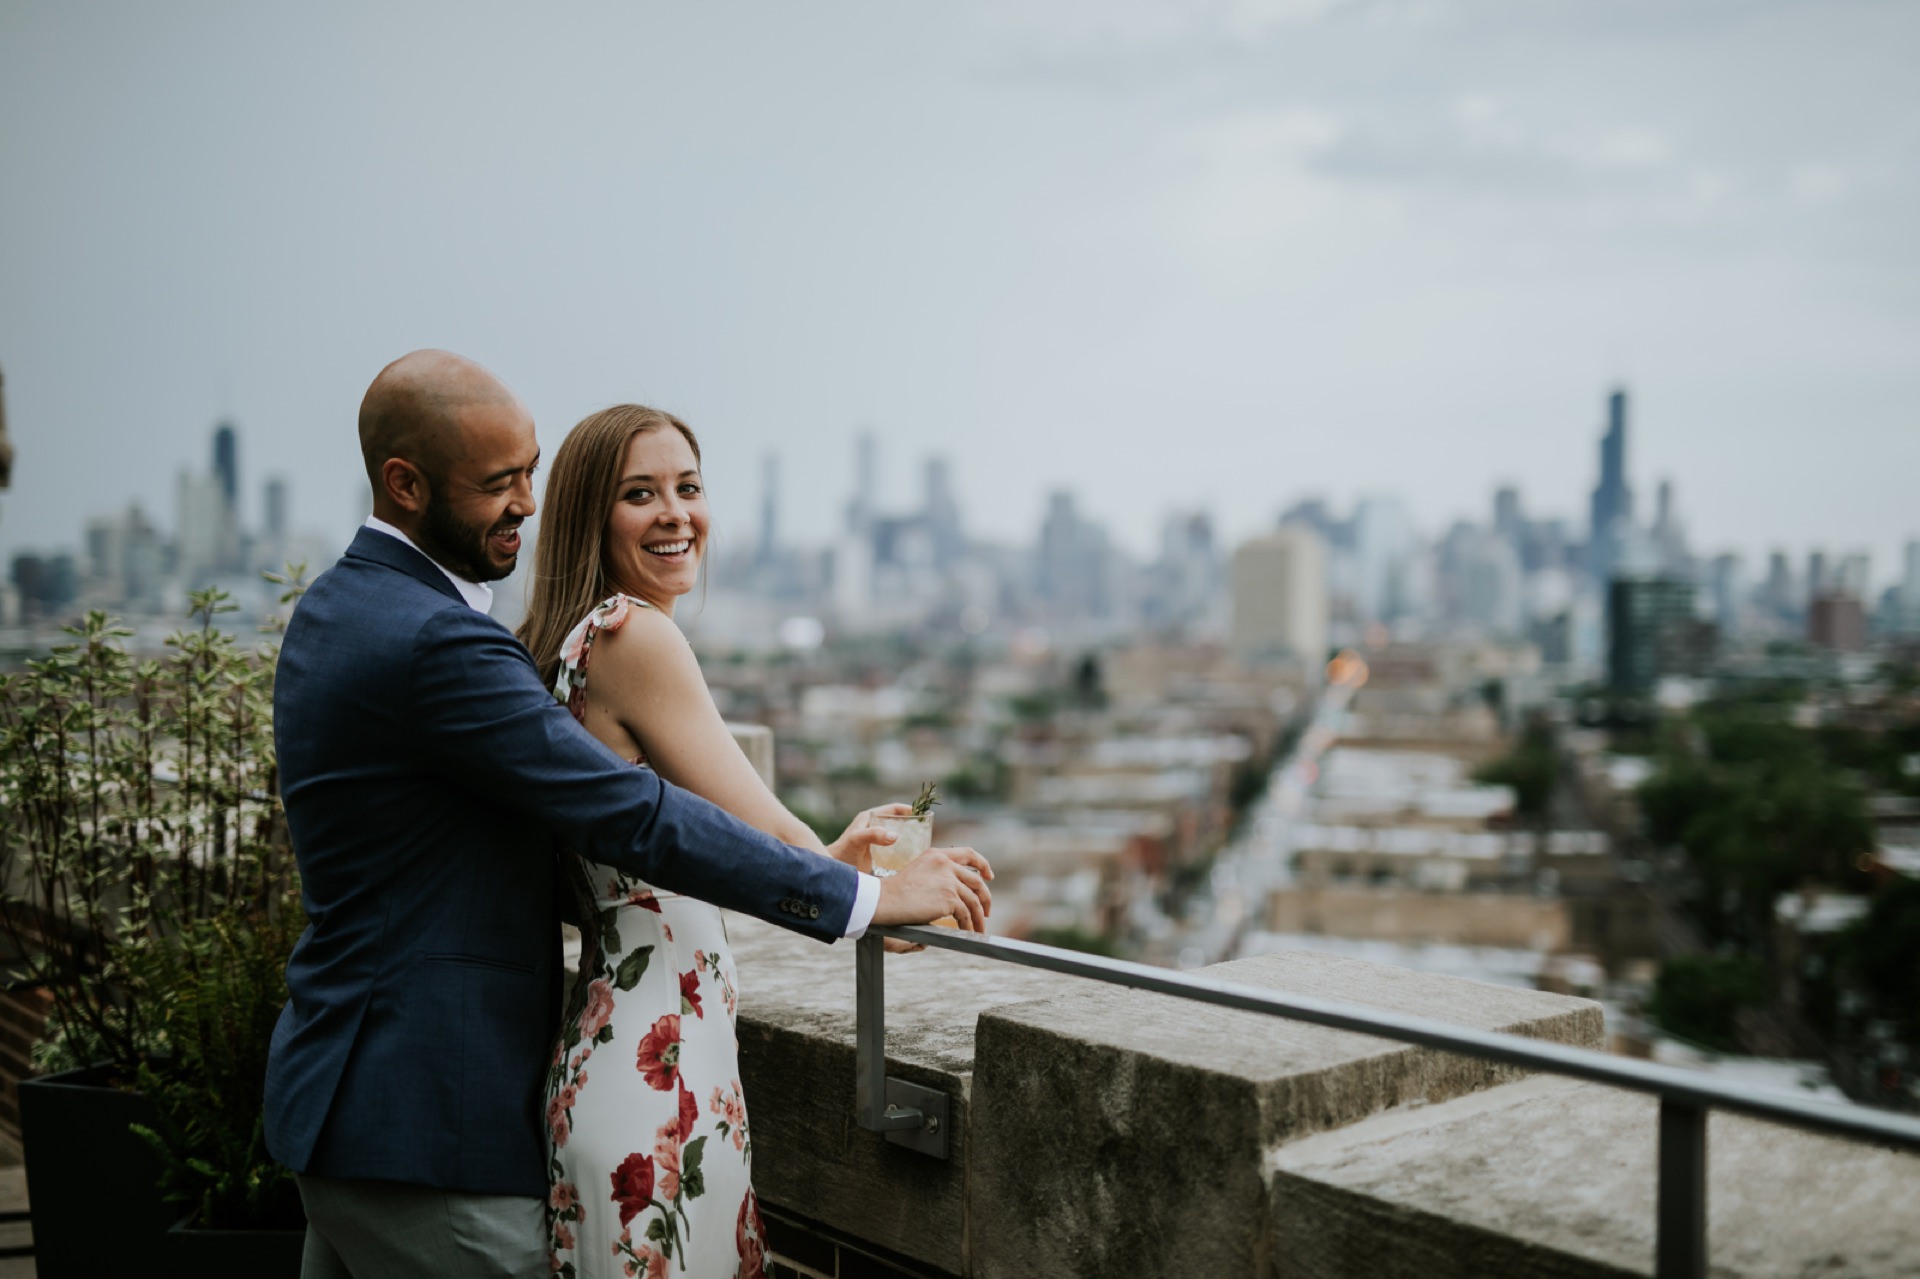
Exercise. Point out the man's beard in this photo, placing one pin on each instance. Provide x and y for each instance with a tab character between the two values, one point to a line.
461	547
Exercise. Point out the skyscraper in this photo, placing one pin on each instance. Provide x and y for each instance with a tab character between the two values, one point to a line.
860	505
1909	615
276	512
769	509
1280	598
1508	521
1779	588
226	463
1383	545
1612	512
1818	582
6	449
1651	632
942	515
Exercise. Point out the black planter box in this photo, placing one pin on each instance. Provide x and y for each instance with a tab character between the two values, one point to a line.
85	1168
258	1254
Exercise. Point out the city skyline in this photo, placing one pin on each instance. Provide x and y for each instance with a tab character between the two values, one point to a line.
267	500
1517	574
1167	256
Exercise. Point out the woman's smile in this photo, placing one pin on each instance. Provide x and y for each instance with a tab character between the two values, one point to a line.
657	530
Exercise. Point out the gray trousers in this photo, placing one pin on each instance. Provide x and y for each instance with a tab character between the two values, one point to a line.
386	1230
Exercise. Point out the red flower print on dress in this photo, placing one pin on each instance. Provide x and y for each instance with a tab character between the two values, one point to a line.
563	1236
648	1263
690	993
599	1009
747	1234
645	900
562	1197
689	1113
659	1054
666	1160
633	1186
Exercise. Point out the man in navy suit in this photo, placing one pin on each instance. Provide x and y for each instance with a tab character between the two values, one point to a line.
427	772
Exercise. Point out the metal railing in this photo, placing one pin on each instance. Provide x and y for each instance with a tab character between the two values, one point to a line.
917	1117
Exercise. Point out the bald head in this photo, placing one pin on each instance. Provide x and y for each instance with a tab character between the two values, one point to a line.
414	411
451	454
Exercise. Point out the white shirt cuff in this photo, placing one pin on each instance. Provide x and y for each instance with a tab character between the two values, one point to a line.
865	901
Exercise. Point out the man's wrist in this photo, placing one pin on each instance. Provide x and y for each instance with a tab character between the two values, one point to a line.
866	900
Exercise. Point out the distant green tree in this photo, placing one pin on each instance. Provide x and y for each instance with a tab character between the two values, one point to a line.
1699	997
1882	949
1759	808
1532	768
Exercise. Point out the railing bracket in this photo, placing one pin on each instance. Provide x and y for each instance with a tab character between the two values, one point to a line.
910	1115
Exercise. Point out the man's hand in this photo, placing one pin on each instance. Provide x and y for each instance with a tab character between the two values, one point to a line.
939	883
855	845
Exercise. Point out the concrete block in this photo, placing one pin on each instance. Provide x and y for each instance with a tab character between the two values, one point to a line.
1556	1178
796	1029
1115	1131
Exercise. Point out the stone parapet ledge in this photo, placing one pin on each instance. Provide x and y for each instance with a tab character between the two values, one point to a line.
1159	1114
1095	1131
1553	1177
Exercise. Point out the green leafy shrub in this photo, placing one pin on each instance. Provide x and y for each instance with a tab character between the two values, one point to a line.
219	984
147	881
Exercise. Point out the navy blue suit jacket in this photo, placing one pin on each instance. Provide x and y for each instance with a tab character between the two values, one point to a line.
428	773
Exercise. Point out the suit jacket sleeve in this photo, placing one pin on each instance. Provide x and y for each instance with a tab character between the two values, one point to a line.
489	724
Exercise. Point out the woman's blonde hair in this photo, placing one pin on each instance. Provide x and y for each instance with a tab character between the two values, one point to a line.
569	558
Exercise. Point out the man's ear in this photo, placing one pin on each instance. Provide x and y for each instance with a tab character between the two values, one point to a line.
406	484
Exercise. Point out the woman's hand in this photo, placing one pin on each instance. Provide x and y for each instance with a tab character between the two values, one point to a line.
855	845
939	883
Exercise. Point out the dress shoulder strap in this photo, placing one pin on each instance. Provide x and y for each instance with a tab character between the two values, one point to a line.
570	682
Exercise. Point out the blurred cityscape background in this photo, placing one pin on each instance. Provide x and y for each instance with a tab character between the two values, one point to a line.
1207	441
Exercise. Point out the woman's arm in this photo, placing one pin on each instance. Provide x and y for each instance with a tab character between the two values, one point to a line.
645	685
645	689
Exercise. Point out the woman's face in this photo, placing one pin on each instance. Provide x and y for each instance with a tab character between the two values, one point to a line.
657	530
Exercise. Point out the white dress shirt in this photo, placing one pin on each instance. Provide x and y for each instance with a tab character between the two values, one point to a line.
479	597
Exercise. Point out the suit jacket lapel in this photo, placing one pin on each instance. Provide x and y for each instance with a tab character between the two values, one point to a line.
382	548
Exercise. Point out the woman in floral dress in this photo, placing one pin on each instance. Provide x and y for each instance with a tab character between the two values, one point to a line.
651	1148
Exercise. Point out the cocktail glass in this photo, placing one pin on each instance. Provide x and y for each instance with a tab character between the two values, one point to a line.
912	836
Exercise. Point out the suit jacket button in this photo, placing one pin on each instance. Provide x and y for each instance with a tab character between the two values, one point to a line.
813	912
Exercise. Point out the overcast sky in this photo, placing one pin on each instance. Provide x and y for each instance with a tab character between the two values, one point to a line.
1169	255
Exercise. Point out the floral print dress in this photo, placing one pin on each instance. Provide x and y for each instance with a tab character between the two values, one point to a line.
650	1169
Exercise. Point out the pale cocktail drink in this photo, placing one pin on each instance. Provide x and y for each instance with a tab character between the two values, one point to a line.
912	836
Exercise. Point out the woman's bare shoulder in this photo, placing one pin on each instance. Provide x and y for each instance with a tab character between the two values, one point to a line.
640	636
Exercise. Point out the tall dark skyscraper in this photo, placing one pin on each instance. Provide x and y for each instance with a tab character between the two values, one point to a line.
226	463
1612	498
6	449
